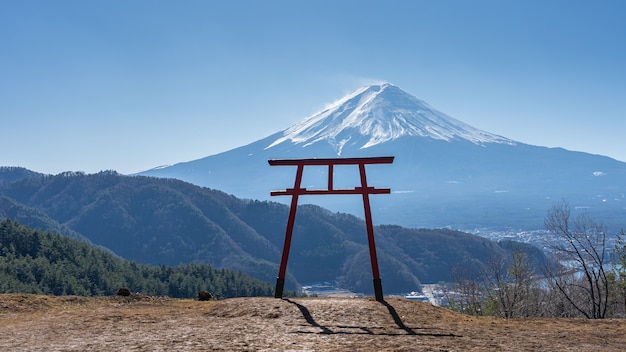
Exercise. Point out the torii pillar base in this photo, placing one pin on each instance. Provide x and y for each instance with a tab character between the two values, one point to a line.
280	286
378	289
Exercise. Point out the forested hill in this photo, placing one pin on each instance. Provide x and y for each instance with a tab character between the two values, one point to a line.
171	222
12	173
32	261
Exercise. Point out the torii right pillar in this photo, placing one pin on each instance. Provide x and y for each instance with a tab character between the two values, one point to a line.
297	191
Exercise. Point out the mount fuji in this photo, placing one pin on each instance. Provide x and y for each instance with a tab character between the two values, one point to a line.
445	174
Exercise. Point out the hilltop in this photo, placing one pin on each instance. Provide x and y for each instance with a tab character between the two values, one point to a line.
70	323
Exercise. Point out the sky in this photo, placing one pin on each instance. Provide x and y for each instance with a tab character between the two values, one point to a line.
129	85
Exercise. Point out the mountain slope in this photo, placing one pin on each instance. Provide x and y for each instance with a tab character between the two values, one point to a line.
34	218
170	222
446	173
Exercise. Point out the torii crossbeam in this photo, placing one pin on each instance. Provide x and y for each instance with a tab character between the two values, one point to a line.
297	191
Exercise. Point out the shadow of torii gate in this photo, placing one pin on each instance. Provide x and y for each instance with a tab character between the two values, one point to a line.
297	191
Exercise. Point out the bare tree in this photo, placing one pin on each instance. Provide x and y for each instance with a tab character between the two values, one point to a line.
619	273
464	295
511	286
581	248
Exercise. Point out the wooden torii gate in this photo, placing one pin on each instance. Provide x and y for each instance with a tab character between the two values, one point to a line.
297	191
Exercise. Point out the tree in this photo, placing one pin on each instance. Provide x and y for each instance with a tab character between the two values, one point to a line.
464	295
619	271
580	248
510	287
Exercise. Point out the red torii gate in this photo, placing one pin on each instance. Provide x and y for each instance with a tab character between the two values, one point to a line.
297	191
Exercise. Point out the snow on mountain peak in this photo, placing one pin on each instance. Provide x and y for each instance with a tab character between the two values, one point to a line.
379	113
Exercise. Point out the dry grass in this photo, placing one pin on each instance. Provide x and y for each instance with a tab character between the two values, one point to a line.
144	323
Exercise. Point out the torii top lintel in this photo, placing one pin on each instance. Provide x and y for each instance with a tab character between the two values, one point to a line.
333	161
330	162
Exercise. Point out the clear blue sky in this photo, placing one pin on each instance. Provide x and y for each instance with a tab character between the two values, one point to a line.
130	85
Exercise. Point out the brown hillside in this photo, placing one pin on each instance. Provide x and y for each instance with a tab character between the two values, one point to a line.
145	323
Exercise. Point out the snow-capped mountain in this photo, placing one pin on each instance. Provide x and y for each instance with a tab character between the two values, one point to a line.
377	114
446	173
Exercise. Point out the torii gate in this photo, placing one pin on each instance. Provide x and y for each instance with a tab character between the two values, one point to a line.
297	191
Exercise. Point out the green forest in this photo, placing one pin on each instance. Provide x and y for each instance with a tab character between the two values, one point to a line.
34	261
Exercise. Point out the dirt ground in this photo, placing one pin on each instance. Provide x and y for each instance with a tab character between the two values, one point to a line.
145	323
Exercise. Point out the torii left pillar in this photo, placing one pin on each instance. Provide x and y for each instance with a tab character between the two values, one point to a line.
297	191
